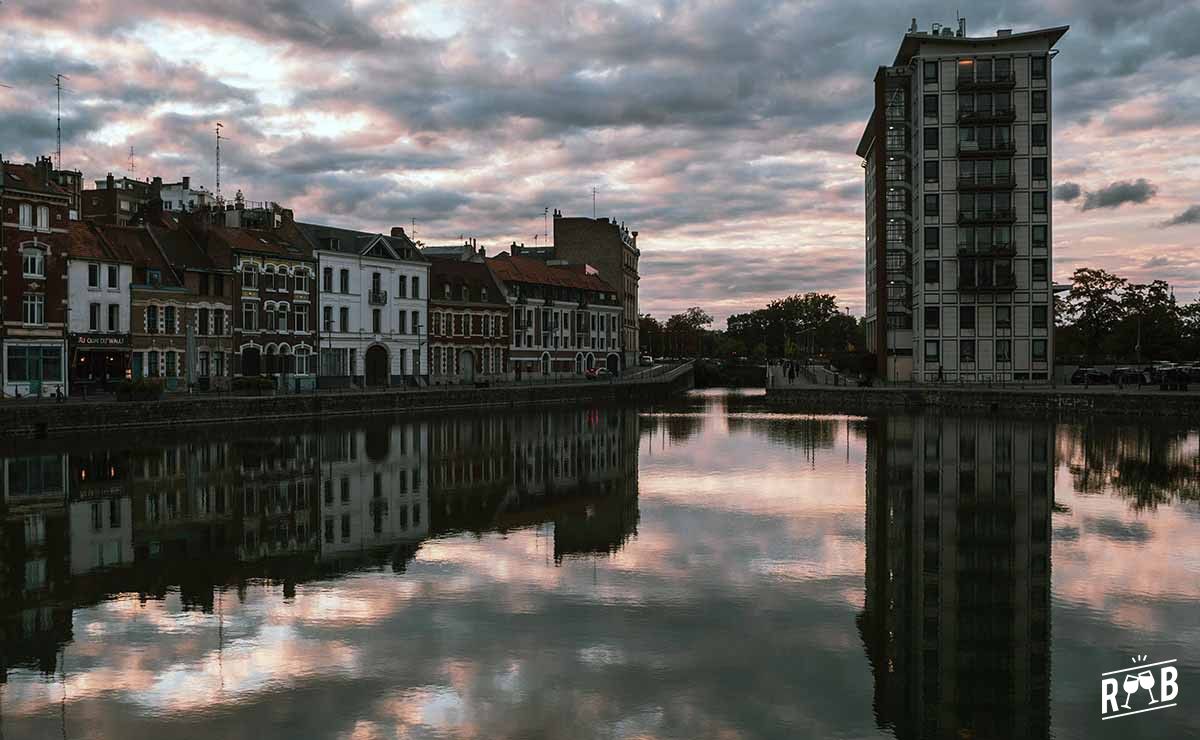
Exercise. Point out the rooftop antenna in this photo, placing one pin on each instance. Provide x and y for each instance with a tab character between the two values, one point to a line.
218	130
593	202
132	165
58	87
546	220
414	230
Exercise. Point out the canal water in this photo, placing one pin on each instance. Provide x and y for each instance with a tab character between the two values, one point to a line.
711	568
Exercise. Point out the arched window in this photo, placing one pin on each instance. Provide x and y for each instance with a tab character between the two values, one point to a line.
269	315
268	282
33	262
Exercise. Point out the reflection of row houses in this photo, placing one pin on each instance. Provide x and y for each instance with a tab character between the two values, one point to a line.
577	468
374	487
956	622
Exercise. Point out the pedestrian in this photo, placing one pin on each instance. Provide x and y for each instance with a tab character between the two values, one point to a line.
941	376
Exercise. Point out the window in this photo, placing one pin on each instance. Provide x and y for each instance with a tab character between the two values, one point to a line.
416	322
1003	317
931	138
931	318
249	315
1037	68
1037	134
34	363
301	281
344	281
1039	236
202	322
113	277
249	277
114	317
300	317
93	276
152	369
931	106
376	320
170	361
931	272
1040	273
466	293
218	285
344	318
218	322
966	350
1003	350
966	318
169	320
281	317
402	290
304	361
1003	68
1039	168
416	287
931	171
446	290
1040	314
931	72
151	319
931	206
202	364
1039	350
94	317
327	280
1039	201
43	218
33	262
931	237
26	217
931	351
1037	101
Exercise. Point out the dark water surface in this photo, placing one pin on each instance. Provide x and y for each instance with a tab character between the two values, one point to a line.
711	569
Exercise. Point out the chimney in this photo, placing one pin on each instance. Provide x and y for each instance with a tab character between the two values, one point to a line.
1004	32
398	231
156	187
962	26
482	253
187	181
108	181
44	167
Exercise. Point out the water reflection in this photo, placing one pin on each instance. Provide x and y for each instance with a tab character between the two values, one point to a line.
956	622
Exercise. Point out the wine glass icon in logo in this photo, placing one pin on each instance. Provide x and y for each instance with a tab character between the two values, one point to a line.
1130	685
1146	680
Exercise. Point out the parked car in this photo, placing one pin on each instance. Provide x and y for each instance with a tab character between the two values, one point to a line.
598	373
1090	376
645	360
1173	379
1130	376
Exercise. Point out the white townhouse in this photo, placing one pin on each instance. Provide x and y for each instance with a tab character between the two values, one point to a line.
99	275
373	305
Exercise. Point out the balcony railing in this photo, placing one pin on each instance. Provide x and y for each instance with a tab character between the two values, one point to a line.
996	115
377	297
1002	283
990	182
996	83
990	149
985	250
996	215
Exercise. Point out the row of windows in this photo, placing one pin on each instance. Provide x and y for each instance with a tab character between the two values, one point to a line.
407	286
1038	272
1038	317
987	69
982	236
112	273
986	205
466	325
95	311
25	217
966	350
274	280
407	322
275	316
982	137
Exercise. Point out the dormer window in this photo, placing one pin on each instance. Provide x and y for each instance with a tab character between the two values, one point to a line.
483	295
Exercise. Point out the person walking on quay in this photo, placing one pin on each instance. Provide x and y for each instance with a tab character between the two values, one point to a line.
941	377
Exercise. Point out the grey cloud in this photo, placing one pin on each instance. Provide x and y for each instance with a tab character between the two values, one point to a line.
1119	193
1159	261
1067	192
1191	215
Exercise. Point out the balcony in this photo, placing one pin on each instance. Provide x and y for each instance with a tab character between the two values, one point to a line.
971	150
1001	284
996	115
377	297
1003	249
994	216
1007	82
998	182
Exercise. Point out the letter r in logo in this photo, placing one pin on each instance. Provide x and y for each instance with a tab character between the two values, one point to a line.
1170	684
1108	692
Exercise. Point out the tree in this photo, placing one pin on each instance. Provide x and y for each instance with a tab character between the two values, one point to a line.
694	319
1094	307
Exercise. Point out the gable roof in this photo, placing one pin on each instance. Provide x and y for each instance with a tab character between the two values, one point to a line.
182	249
143	252
257	241
85	242
529	270
349	241
474	275
26	177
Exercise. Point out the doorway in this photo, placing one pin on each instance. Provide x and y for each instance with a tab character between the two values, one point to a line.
377	366
466	366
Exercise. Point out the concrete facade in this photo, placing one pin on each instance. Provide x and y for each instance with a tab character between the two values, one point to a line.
959	254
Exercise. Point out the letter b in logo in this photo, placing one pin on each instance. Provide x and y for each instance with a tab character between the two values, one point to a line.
1170	684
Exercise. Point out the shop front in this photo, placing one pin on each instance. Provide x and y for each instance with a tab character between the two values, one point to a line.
33	368
98	361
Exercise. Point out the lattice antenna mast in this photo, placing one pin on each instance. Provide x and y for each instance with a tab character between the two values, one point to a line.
593	203
58	88
132	164
218	130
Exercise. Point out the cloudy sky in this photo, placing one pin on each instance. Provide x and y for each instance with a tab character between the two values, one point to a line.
723	131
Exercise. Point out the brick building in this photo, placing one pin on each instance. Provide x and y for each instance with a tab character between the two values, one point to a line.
34	242
118	200
469	321
612	250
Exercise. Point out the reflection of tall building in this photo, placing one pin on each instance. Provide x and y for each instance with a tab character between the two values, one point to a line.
374	490
956	622
574	467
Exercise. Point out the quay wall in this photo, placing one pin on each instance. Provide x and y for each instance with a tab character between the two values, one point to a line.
1048	401
46	419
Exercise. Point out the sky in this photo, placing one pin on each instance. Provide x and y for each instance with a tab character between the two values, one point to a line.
724	132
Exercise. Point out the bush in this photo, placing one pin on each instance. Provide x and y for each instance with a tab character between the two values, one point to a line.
256	384
140	389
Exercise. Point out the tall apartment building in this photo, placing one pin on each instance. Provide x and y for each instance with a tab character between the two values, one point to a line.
959	233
